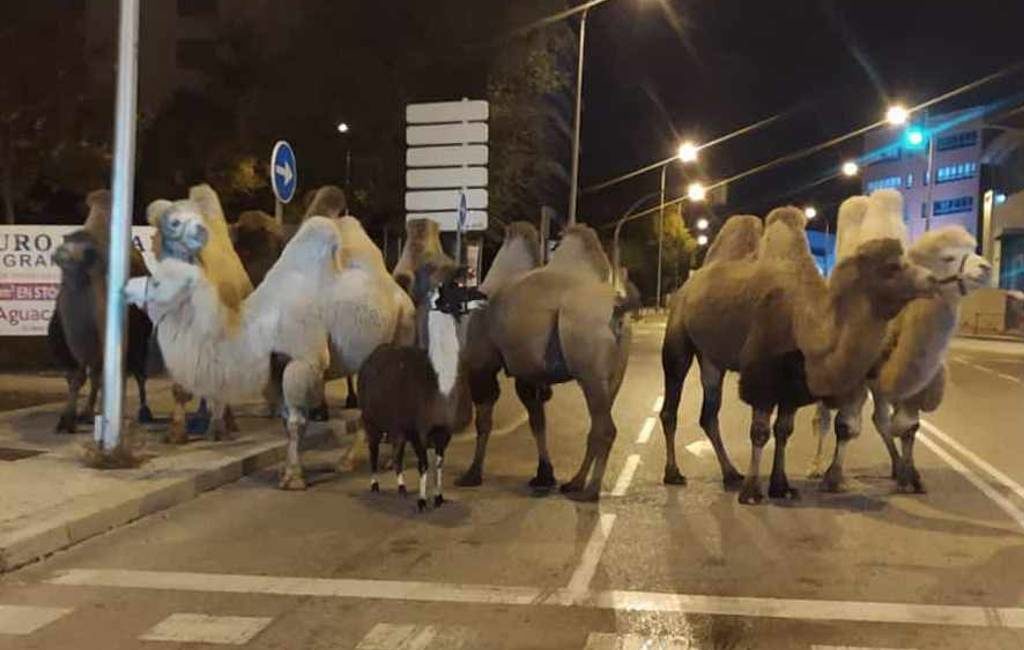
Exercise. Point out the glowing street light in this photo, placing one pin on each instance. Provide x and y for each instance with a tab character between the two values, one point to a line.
702	224
897	115
342	127
850	168
688	152
810	212
696	192
702	240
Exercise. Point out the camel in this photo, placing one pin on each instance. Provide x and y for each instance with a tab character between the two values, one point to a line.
758	306
909	376
258	241
207	243
328	298
546	326
76	327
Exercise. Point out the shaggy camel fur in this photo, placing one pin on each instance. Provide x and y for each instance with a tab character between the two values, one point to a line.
910	374
767	313
76	327
178	236
329	285
550	325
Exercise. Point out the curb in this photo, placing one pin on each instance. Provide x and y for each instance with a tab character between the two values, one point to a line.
98	513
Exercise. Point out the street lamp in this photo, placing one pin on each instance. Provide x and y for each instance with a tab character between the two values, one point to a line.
696	192
702	224
343	129
688	152
702	240
850	168
897	115
810	212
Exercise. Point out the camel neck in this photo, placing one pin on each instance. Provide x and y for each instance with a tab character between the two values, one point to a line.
852	344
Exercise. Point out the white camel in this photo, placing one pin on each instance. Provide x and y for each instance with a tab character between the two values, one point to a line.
909	376
327	298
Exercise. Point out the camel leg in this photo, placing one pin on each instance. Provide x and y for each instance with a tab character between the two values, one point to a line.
711	380
820	426
533	398
485	391
847	427
906	421
217	429
882	418
351	400
676	357
778	486
292	477
398	451
599	445
177	432
145	416
230	423
69	418
95	381
760	430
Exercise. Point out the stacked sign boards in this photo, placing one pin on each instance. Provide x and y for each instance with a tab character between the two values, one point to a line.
446	158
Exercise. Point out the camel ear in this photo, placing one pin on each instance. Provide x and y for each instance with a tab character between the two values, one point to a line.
156	210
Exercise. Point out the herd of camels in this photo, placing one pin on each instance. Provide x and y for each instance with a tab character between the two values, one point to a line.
236	312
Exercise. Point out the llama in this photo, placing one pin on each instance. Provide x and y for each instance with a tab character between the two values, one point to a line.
909	376
76	328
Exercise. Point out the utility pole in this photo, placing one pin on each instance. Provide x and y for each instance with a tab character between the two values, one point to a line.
574	174
661	231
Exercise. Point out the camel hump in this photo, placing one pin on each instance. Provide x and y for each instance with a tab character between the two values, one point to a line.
848	225
883	218
788	215
519	253
206	198
98	219
328	201
581	250
738	239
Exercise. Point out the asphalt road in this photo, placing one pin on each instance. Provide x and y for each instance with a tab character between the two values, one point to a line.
650	567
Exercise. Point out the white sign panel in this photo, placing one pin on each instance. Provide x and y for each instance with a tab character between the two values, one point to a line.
469	132
449	221
29	279
438	112
470	154
444	200
446	177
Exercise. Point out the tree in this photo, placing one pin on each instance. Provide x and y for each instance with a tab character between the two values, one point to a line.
640	252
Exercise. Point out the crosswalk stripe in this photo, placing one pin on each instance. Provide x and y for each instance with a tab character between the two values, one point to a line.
645	431
201	628
23	619
605	641
389	636
852	647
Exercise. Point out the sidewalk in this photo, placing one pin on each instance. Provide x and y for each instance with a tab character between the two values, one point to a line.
49	500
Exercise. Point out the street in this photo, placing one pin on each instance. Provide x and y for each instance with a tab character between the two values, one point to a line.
652	566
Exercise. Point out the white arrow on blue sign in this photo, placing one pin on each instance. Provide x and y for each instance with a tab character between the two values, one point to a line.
283	171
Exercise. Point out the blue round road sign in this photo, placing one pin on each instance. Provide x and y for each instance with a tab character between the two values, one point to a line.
283	171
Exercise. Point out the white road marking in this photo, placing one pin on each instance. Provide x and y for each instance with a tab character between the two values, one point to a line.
646	430
579	584
626	475
22	619
200	628
852	647
659	401
981	463
1015	380
605	641
787	608
387	636
978	366
700	448
1004	504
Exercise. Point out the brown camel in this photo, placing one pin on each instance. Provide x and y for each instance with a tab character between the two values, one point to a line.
258	240
790	335
550	325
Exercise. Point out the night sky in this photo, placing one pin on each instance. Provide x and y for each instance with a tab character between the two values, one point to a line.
661	70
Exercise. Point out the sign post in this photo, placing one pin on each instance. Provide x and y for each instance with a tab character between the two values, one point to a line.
283	177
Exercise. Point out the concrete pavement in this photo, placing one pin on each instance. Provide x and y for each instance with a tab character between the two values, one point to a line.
339	567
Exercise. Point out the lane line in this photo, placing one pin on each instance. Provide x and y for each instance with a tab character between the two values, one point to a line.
640	601
646	430
613	641
390	636
852	647
579	584
201	628
626	475
26	619
659	401
1015	380
1004	504
980	462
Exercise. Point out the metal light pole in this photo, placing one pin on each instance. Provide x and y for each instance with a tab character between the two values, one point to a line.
108	425
929	177
574	174
616	254
661	231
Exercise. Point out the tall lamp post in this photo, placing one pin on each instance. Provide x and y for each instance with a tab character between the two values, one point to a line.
343	129
575	165
687	153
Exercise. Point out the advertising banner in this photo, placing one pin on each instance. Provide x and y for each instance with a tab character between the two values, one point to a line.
29	279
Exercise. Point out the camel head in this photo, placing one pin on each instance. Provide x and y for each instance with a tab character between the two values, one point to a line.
949	253
422	243
79	256
328	201
881	270
180	228
581	250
